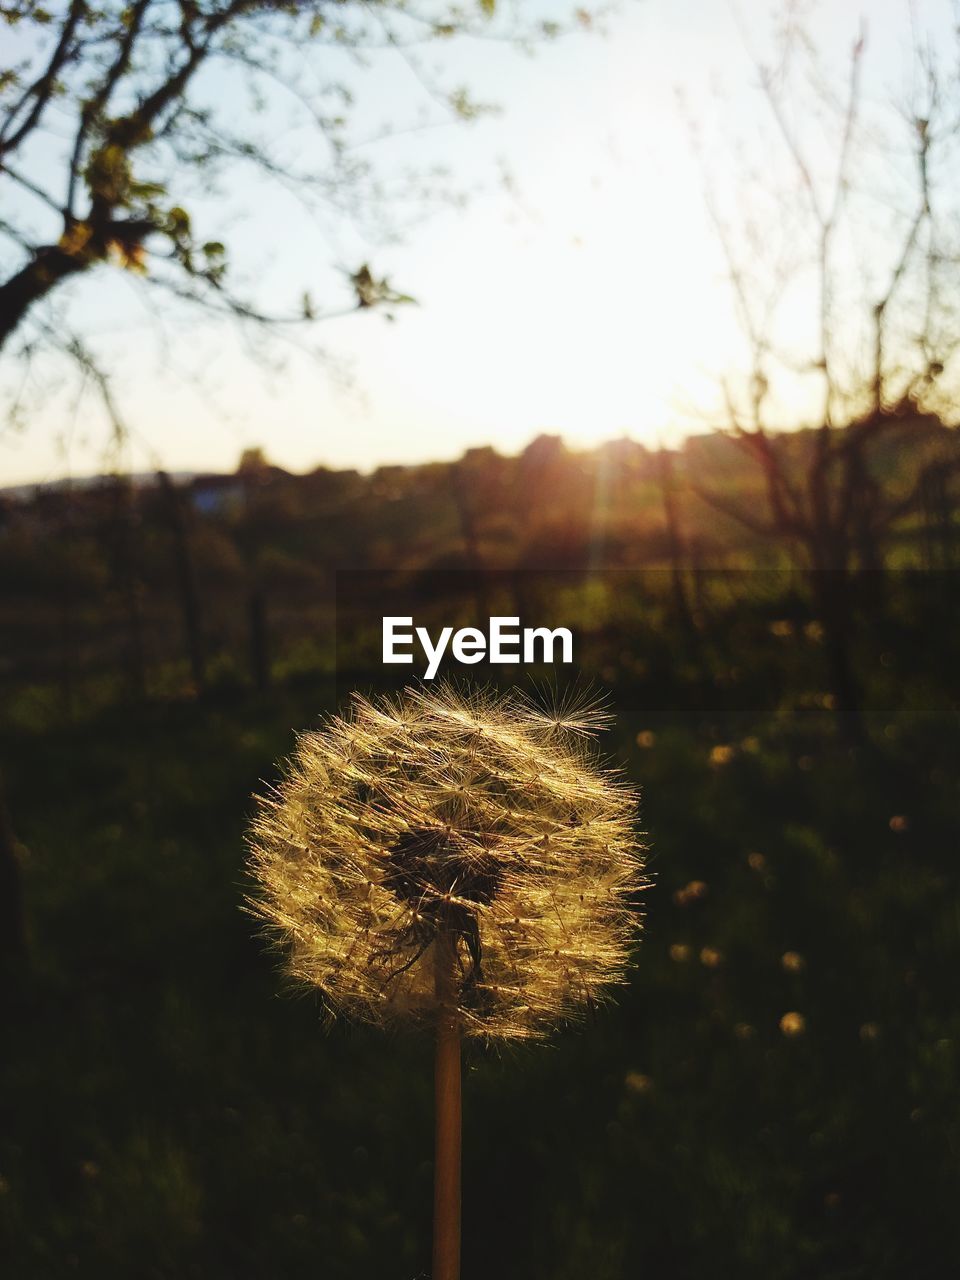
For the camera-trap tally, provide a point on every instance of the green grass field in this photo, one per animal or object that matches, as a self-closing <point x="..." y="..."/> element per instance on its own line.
<point x="171" y="1111"/>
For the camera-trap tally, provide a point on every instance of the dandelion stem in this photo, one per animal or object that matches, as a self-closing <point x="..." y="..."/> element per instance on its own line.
<point x="446" y="1199"/>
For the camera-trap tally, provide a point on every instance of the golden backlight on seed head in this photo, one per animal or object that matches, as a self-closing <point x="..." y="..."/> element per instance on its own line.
<point x="439" y="813"/>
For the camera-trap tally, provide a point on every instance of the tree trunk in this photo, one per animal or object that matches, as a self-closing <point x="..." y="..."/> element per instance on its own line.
<point x="122" y="536"/>
<point x="48" y="266"/>
<point x="186" y="582"/>
<point x="938" y="526"/>
<point x="471" y="542"/>
<point x="681" y="602"/>
<point x="831" y="588"/>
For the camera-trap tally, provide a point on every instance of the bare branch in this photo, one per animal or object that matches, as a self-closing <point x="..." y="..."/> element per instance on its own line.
<point x="38" y="94"/>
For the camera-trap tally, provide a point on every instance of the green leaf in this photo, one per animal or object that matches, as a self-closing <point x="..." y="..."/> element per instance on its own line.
<point x="178" y="227"/>
<point x="147" y="190"/>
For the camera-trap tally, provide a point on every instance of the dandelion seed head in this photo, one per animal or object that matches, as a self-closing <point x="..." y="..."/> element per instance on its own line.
<point x="449" y="814"/>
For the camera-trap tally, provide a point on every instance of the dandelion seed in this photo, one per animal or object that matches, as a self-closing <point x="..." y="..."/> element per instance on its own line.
<point x="793" y="962"/>
<point x="691" y="892"/>
<point x="454" y="858"/>
<point x="793" y="1024"/>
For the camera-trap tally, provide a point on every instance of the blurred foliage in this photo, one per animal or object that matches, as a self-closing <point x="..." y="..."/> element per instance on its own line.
<point x="774" y="1093"/>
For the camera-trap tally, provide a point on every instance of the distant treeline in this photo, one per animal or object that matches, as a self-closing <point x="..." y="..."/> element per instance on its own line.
<point x="155" y="585"/>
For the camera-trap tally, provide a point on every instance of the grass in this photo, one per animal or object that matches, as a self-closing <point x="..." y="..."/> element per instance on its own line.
<point x="171" y="1112"/>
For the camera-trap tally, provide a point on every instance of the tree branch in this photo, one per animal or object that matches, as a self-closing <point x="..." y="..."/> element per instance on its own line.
<point x="42" y="88"/>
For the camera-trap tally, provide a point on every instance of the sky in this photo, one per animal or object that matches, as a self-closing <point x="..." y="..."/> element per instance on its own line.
<point x="587" y="296"/>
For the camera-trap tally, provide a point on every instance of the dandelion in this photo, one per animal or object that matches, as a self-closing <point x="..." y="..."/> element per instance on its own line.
<point x="458" y="859"/>
<point x="793" y="1024"/>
